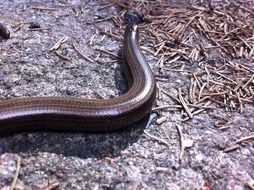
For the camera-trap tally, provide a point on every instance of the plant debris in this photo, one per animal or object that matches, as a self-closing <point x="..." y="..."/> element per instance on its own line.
<point x="211" y="42"/>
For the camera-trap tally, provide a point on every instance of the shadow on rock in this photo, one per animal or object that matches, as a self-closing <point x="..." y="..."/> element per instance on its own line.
<point x="83" y="145"/>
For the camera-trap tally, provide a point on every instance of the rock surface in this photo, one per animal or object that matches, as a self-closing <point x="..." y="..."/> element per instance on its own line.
<point x="127" y="159"/>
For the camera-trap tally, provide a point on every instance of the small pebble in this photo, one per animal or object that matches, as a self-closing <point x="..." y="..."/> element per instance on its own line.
<point x="188" y="143"/>
<point x="4" y="32"/>
<point x="34" y="25"/>
<point x="170" y="44"/>
<point x="99" y="17"/>
<point x="120" y="52"/>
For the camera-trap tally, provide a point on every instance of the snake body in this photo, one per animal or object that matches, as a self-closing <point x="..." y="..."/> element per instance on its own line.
<point x="92" y="115"/>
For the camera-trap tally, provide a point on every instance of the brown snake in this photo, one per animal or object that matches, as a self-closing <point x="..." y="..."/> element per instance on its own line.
<point x="92" y="115"/>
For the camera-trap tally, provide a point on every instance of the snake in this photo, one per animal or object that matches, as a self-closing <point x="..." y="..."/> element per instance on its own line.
<point x="75" y="114"/>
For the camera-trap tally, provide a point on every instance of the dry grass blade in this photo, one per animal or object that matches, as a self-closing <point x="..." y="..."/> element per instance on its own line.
<point x="14" y="181"/>
<point x="166" y="107"/>
<point x="59" y="54"/>
<point x="183" y="103"/>
<point x="251" y="137"/>
<point x="57" y="45"/>
<point x="108" y="52"/>
<point x="160" y="140"/>
<point x="81" y="53"/>
<point x="231" y="148"/>
<point x="51" y="186"/>
<point x="181" y="140"/>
